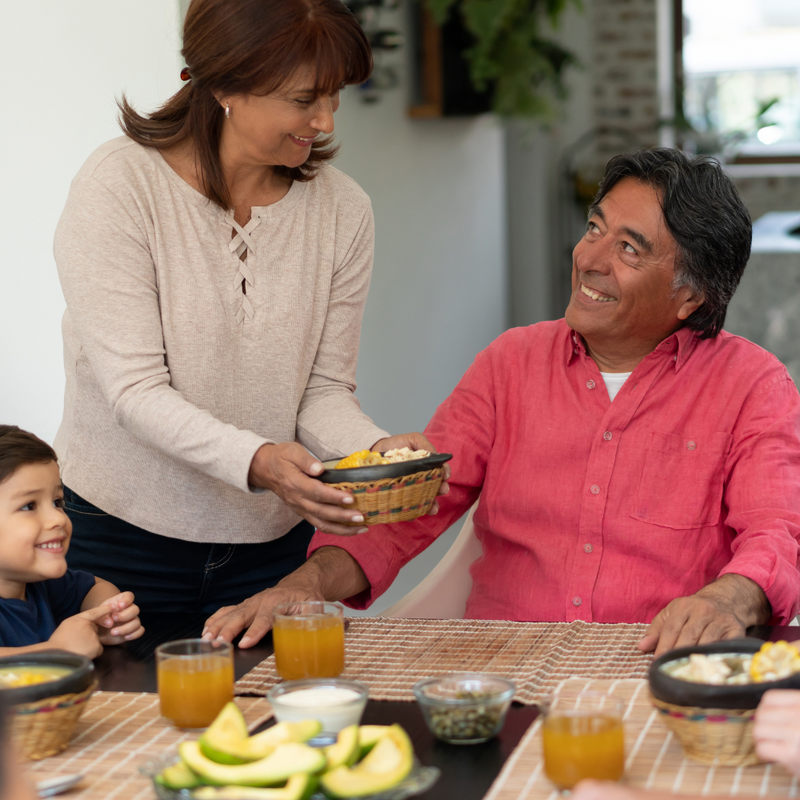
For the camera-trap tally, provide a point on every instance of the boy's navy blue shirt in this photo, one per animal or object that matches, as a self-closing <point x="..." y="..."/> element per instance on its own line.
<point x="48" y="604"/>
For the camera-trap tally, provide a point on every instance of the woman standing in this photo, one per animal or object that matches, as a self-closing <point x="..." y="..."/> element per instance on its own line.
<point x="215" y="269"/>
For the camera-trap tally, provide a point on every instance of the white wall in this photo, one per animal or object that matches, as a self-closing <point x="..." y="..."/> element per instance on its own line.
<point x="63" y="64"/>
<point x="439" y="292"/>
<point x="532" y="175"/>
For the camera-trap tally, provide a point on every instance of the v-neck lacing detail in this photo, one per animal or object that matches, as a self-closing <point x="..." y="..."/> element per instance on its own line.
<point x="240" y="245"/>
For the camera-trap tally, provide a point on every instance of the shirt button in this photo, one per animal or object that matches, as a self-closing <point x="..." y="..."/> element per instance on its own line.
<point x="587" y="548"/>
<point x="576" y="601"/>
<point x="691" y="445"/>
<point x="608" y="436"/>
<point x="595" y="489"/>
<point x="590" y="384"/>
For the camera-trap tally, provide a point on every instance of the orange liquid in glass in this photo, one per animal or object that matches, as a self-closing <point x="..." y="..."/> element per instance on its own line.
<point x="193" y="691"/>
<point x="312" y="647"/>
<point x="585" y="746"/>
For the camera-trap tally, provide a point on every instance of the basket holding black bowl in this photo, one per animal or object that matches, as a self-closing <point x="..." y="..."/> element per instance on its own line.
<point x="45" y="695"/>
<point x="713" y="723"/>
<point x="390" y="492"/>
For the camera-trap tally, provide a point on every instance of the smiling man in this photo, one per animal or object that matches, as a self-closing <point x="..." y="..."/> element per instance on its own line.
<point x="634" y="462"/>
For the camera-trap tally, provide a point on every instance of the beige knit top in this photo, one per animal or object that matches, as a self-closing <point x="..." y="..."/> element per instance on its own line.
<point x="182" y="359"/>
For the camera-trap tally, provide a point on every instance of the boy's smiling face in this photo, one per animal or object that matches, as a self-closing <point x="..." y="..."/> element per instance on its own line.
<point x="34" y="528"/>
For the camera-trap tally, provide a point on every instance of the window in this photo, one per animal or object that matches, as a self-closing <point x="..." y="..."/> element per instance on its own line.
<point x="741" y="77"/>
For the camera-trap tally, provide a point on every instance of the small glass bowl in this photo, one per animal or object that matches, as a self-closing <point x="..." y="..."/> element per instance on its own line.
<point x="333" y="716"/>
<point x="466" y="707"/>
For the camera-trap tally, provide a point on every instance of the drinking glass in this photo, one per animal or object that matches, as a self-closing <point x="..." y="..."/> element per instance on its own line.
<point x="195" y="680"/>
<point x="582" y="737"/>
<point x="309" y="640"/>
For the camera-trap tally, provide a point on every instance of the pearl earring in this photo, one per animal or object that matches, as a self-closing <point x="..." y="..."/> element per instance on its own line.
<point x="227" y="111"/>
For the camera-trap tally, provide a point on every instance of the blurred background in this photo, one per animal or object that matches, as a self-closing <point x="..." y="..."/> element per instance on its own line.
<point x="476" y="212"/>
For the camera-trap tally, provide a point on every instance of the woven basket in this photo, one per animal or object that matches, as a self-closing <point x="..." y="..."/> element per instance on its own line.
<point x="395" y="499"/>
<point x="44" y="728"/>
<point x="712" y="735"/>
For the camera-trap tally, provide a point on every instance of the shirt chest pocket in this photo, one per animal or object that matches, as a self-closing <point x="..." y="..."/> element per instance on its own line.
<point x="682" y="480"/>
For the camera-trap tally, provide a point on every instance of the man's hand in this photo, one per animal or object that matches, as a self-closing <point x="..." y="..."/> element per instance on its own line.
<point x="121" y="622"/>
<point x="777" y="728"/>
<point x="722" y="610"/>
<point x="415" y="441"/>
<point x="330" y="574"/>
<point x="289" y="470"/>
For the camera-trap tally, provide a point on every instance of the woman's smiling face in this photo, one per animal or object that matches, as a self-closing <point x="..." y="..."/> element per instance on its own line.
<point x="278" y="129"/>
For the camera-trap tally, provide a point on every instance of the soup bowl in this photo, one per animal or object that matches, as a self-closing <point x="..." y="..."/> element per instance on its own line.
<point x="713" y="723"/>
<point x="43" y="715"/>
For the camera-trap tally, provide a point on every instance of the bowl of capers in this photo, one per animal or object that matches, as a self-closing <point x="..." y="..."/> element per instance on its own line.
<point x="466" y="707"/>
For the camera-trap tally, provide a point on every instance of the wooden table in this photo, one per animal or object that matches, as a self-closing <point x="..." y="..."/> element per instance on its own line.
<point x="467" y="771"/>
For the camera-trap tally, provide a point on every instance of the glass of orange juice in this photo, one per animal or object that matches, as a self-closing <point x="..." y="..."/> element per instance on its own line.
<point x="582" y="737"/>
<point x="309" y="640"/>
<point x="195" y="681"/>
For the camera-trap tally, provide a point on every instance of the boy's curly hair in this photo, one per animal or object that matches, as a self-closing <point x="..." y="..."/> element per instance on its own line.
<point x="18" y="447"/>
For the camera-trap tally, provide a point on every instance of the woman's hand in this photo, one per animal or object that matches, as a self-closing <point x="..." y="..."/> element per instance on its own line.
<point x="289" y="470"/>
<point x="415" y="441"/>
<point x="777" y="728"/>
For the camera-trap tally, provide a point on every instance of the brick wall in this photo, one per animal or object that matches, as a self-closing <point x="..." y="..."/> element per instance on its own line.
<point x="623" y="71"/>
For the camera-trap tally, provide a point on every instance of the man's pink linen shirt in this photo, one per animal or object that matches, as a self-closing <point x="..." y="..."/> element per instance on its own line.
<point x="603" y="511"/>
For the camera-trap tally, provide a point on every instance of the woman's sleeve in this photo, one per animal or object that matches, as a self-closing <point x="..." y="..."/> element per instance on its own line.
<point x="330" y="422"/>
<point x="109" y="282"/>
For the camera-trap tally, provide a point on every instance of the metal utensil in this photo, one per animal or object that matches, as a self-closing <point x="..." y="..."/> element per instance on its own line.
<point x="57" y="785"/>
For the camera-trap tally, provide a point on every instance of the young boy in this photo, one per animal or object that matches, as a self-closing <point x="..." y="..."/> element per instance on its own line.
<point x="44" y="605"/>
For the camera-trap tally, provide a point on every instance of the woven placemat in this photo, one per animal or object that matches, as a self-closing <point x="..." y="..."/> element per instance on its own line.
<point x="118" y="732"/>
<point x="654" y="759"/>
<point x="389" y="655"/>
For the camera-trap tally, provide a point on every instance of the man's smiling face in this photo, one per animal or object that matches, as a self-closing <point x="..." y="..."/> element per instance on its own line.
<point x="623" y="303"/>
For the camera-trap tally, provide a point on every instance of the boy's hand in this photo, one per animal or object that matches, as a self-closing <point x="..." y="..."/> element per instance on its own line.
<point x="119" y="619"/>
<point x="79" y="634"/>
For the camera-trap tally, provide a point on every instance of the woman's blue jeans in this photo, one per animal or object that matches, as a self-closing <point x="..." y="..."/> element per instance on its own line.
<point x="173" y="575"/>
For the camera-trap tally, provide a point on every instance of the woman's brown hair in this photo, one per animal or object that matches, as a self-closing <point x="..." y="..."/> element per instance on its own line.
<point x="251" y="47"/>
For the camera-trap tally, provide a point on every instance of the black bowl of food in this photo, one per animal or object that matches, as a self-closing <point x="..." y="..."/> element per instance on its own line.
<point x="50" y="673"/>
<point x="45" y="694"/>
<point x="375" y="472"/>
<point x="707" y="694"/>
<point x="721" y="680"/>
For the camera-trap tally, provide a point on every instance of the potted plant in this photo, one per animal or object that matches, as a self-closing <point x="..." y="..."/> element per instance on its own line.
<point x="512" y="56"/>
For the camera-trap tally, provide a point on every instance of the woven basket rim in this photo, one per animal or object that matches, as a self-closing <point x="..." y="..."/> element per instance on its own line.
<point x="48" y="704"/>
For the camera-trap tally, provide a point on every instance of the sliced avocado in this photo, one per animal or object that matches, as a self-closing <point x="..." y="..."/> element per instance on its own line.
<point x="275" y="769"/>
<point x="298" y="787"/>
<point x="388" y="763"/>
<point x="368" y="736"/>
<point x="178" y="776"/>
<point x="346" y="750"/>
<point x="256" y="747"/>
<point x="225" y="737"/>
<point x="281" y="733"/>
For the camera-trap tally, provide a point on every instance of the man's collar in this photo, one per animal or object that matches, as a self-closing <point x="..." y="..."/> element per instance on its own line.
<point x="679" y="345"/>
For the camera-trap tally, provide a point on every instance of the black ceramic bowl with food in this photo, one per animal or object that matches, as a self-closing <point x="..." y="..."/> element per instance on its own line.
<point x="43" y="715"/>
<point x="379" y="472"/>
<point x="79" y="678"/>
<point x="703" y="695"/>
<point x="714" y="724"/>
